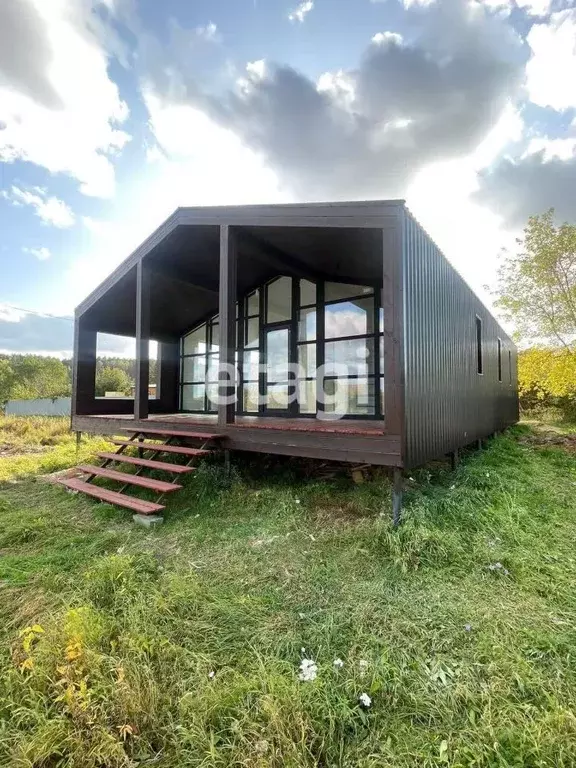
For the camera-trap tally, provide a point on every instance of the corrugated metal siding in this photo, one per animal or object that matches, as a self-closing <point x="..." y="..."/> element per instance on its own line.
<point x="447" y="403"/>
<point x="45" y="406"/>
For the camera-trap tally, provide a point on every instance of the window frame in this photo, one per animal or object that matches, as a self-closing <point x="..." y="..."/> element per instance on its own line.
<point x="376" y="410"/>
<point x="479" y="345"/>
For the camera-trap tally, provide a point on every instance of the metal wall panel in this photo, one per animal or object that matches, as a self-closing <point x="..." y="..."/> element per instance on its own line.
<point x="448" y="404"/>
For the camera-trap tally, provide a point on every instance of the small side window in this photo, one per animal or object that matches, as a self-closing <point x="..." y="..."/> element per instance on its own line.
<point x="499" y="359"/>
<point x="479" y="359"/>
<point x="510" y="367"/>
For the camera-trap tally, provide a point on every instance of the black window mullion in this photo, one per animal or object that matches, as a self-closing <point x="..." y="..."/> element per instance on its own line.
<point x="263" y="305"/>
<point x="293" y="407"/>
<point x="377" y="400"/>
<point x="320" y="340"/>
<point x="208" y="340"/>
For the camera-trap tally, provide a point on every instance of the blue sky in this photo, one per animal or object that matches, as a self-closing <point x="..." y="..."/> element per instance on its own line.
<point x="113" y="112"/>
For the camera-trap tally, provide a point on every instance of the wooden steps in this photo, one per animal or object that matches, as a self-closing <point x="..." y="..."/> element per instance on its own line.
<point x="112" y="497"/>
<point x="161" y="486"/>
<point x="138" y="480"/>
<point x="174" y="433"/>
<point x="148" y="463"/>
<point x="183" y="450"/>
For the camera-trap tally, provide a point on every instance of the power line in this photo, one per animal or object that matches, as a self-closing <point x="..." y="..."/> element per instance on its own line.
<point x="39" y="314"/>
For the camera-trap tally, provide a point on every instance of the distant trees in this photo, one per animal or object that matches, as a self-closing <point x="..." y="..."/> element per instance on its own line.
<point x="29" y="376"/>
<point x="6" y="381"/>
<point x="111" y="379"/>
<point x="26" y="377"/>
<point x="537" y="294"/>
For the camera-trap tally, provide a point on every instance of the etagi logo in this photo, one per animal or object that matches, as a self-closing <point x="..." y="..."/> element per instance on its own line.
<point x="338" y="391"/>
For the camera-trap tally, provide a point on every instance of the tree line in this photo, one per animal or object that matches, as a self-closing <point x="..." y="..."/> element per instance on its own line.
<point x="536" y="293"/>
<point x="27" y="377"/>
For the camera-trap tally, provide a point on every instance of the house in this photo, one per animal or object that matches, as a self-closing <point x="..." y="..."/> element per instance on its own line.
<point x="332" y="331"/>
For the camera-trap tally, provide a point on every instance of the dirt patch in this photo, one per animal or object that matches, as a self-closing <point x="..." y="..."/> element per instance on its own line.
<point x="549" y="439"/>
<point x="11" y="451"/>
<point x="53" y="477"/>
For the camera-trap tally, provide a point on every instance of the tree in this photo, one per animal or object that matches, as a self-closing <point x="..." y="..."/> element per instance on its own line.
<point x="537" y="285"/>
<point x="112" y="380"/>
<point x="6" y="382"/>
<point x="37" y="376"/>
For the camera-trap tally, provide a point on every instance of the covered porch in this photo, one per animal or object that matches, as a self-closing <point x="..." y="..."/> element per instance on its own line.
<point x="287" y="299"/>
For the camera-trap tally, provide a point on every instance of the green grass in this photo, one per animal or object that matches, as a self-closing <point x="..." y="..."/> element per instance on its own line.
<point x="110" y="633"/>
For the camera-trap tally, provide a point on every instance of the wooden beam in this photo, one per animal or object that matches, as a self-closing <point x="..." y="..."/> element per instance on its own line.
<point x="228" y="267"/>
<point x="142" y="341"/>
<point x="270" y="254"/>
<point x="179" y="276"/>
<point x="84" y="368"/>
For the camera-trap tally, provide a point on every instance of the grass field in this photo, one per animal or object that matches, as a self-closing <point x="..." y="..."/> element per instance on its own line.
<point x="182" y="646"/>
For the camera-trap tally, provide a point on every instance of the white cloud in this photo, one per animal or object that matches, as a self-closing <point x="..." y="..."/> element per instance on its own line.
<point x="42" y="254"/>
<point x="300" y="13"/>
<point x="209" y="33"/>
<point x="61" y="111"/>
<point x="564" y="149"/>
<point x="199" y="163"/>
<point x="381" y="38"/>
<point x="49" y="209"/>
<point x="551" y="72"/>
<point x="535" y="7"/>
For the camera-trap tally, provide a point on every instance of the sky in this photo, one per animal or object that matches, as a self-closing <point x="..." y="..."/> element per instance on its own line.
<point x="115" y="112"/>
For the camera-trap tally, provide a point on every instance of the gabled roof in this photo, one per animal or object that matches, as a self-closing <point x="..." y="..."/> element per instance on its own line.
<point x="354" y="215"/>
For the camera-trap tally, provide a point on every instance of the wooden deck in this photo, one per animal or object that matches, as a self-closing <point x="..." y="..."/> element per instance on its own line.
<point x="357" y="441"/>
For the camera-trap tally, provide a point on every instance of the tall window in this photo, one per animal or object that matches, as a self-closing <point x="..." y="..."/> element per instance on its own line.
<point x="499" y="359"/>
<point x="199" y="367"/>
<point x="479" y="360"/>
<point x="307" y="338"/>
<point x="350" y="330"/>
<point x="509" y="367"/>
<point x="295" y="321"/>
<point x="251" y="354"/>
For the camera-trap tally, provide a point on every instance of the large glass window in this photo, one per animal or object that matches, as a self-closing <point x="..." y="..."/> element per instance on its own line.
<point x="279" y="300"/>
<point x="338" y="326"/>
<point x="251" y="354"/>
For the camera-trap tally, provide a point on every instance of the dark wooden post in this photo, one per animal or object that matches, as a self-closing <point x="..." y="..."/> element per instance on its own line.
<point x="167" y="390"/>
<point x="84" y="368"/>
<point x="454" y="459"/>
<point x="226" y="387"/>
<point x="142" y="342"/>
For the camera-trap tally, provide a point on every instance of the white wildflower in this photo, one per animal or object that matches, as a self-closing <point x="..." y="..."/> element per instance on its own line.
<point x="338" y="663"/>
<point x="297" y="501"/>
<point x="468" y="627"/>
<point x="365" y="700"/>
<point x="499" y="567"/>
<point x="211" y="674"/>
<point x="302" y="650"/>
<point x="262" y="746"/>
<point x="452" y="487"/>
<point x="308" y="670"/>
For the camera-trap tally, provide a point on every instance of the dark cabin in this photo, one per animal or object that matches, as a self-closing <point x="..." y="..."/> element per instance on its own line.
<point x="352" y="336"/>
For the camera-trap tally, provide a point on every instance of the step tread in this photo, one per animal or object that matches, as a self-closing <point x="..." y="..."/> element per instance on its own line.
<point x="184" y="450"/>
<point x="163" y="465"/>
<point x="125" y="477"/>
<point x="112" y="497"/>
<point x="173" y="433"/>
